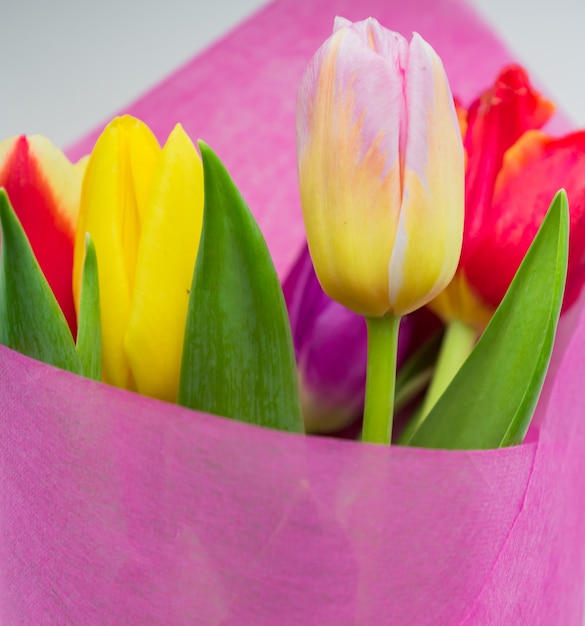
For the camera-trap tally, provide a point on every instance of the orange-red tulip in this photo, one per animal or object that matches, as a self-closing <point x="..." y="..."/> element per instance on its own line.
<point x="44" y="189"/>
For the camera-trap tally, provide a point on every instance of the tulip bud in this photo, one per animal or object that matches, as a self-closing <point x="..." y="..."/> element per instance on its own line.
<point x="143" y="208"/>
<point x="44" y="189"/>
<point x="381" y="169"/>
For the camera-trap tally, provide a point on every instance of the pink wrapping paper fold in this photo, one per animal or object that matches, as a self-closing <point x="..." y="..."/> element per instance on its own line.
<point x="116" y="509"/>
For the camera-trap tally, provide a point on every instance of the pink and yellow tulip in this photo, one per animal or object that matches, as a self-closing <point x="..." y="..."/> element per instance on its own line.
<point x="143" y="208"/>
<point x="44" y="188"/>
<point x="381" y="169"/>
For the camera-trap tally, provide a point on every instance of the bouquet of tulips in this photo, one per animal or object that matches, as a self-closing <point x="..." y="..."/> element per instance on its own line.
<point x="158" y="279"/>
<point x="142" y="267"/>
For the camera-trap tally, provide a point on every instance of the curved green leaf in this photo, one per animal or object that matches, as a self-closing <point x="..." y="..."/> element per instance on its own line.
<point x="238" y="357"/>
<point x="89" y="329"/>
<point x="31" y="321"/>
<point x="491" y="400"/>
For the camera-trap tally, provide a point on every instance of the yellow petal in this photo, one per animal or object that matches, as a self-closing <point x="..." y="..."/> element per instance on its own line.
<point x="112" y="202"/>
<point x="166" y="259"/>
<point x="459" y="302"/>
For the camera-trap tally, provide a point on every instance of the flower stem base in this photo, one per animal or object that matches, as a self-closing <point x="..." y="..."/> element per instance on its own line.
<point x="380" y="379"/>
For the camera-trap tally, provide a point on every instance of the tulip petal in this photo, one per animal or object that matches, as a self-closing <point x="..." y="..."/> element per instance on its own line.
<point x="460" y="301"/>
<point x="114" y="190"/>
<point x="349" y="113"/>
<point x="332" y="370"/>
<point x="330" y="348"/>
<point x="495" y="121"/>
<point x="304" y="298"/>
<point x="44" y="188"/>
<point x="164" y="269"/>
<point x="430" y="228"/>
<point x="340" y="22"/>
<point x="533" y="170"/>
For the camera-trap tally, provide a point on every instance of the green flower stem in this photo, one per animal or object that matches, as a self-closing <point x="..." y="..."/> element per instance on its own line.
<point x="380" y="378"/>
<point x="457" y="345"/>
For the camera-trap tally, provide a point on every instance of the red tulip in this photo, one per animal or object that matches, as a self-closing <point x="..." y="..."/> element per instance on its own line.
<point x="45" y="188"/>
<point x="513" y="171"/>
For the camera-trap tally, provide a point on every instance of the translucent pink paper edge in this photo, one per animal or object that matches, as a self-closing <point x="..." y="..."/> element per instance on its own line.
<point x="115" y="509"/>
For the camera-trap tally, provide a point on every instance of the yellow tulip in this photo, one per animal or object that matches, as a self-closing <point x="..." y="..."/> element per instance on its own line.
<point x="381" y="169"/>
<point x="143" y="208"/>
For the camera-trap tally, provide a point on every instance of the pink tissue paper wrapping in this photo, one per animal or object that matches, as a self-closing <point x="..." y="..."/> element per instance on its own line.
<point x="116" y="509"/>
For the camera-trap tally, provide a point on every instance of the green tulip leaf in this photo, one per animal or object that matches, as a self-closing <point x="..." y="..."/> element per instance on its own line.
<point x="238" y="357"/>
<point x="89" y="336"/>
<point x="31" y="321"/>
<point x="491" y="400"/>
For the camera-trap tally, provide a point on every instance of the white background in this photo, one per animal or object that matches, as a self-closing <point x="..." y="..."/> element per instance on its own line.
<point x="65" y="65"/>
